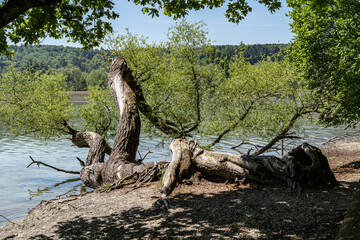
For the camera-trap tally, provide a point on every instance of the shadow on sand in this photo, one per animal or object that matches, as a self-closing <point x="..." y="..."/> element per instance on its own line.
<point x="260" y="213"/>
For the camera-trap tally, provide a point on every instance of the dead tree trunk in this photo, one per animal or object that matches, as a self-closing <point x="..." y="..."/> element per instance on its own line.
<point x="303" y="167"/>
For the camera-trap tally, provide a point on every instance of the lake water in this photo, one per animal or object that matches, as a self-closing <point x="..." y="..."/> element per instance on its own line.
<point x="22" y="188"/>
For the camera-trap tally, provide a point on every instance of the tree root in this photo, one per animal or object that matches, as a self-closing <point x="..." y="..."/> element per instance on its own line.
<point x="302" y="167"/>
<point x="138" y="179"/>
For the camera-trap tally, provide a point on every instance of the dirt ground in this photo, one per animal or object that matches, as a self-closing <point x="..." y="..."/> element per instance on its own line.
<point x="205" y="211"/>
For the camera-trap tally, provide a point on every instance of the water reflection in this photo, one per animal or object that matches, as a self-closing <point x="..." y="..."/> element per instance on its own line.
<point x="75" y="189"/>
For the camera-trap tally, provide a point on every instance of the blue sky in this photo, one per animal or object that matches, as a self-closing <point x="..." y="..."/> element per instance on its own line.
<point x="260" y="26"/>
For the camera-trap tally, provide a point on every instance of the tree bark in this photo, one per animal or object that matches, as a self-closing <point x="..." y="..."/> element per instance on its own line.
<point x="121" y="162"/>
<point x="303" y="167"/>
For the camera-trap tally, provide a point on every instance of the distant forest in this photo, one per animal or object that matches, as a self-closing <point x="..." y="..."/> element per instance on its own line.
<point x="86" y="68"/>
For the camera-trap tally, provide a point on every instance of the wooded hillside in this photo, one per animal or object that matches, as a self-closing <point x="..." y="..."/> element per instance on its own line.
<point x="85" y="68"/>
<point x="49" y="56"/>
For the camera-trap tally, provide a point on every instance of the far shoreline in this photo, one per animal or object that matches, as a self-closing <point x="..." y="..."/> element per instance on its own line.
<point x="79" y="93"/>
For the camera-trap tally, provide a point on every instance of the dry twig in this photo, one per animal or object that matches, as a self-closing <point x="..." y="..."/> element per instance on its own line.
<point x="49" y="166"/>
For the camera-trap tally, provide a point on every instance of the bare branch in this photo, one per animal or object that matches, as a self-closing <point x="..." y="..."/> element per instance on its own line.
<point x="192" y="128"/>
<point x="197" y="100"/>
<point x="160" y="123"/>
<point x="257" y="146"/>
<point x="278" y="137"/>
<point x="49" y="166"/>
<point x="232" y="127"/>
<point x="249" y="151"/>
<point x="217" y="140"/>
<point x="69" y="191"/>
<point x="148" y="152"/>
<point x="82" y="163"/>
<point x="289" y="136"/>
<point x="70" y="130"/>
<point x="164" y="101"/>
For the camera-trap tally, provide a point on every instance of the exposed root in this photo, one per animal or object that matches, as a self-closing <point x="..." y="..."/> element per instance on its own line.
<point x="163" y="201"/>
<point x="138" y="179"/>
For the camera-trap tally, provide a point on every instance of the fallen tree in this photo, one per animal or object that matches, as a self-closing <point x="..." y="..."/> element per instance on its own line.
<point x="302" y="167"/>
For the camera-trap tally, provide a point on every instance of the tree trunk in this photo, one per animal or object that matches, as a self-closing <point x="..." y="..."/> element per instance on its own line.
<point x="121" y="162"/>
<point x="303" y="167"/>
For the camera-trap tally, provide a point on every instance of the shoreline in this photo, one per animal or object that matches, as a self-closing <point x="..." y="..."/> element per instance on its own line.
<point x="207" y="210"/>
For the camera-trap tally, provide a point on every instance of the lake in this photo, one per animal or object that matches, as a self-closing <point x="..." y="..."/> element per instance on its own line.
<point x="22" y="188"/>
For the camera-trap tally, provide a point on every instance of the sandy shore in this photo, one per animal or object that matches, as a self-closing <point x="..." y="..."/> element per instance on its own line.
<point x="204" y="211"/>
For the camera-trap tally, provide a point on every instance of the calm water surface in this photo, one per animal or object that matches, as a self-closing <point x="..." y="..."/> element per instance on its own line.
<point x="22" y="188"/>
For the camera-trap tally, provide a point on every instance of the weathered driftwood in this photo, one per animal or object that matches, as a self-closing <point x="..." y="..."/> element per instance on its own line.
<point x="303" y="167"/>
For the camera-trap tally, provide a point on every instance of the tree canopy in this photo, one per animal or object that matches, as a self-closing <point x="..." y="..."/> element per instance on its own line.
<point x="85" y="68"/>
<point x="87" y="22"/>
<point x="41" y="57"/>
<point x="194" y="96"/>
<point x="326" y="50"/>
<point x="183" y="92"/>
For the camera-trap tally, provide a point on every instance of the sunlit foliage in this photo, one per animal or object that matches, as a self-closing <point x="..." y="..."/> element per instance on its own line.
<point x="34" y="103"/>
<point x="198" y="97"/>
<point x="326" y="50"/>
<point x="181" y="88"/>
<point x="99" y="113"/>
<point x="257" y="99"/>
<point x="87" y="22"/>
